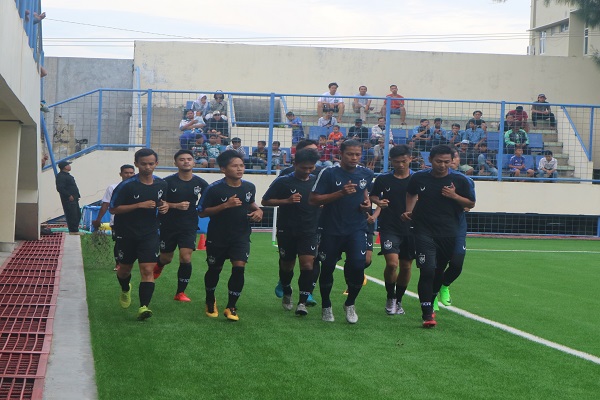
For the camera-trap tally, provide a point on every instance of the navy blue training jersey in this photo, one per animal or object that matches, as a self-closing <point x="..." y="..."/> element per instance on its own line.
<point x="179" y="191"/>
<point x="141" y="221"/>
<point x="296" y="217"/>
<point x="343" y="216"/>
<point x="388" y="187"/>
<point x="434" y="214"/>
<point x="231" y="223"/>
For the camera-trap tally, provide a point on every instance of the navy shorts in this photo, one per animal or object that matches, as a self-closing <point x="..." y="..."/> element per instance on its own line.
<point x="291" y="245"/>
<point x="144" y="249"/>
<point x="170" y="239"/>
<point x="403" y="245"/>
<point x="354" y="245"/>
<point x="432" y="252"/>
<point x="235" y="251"/>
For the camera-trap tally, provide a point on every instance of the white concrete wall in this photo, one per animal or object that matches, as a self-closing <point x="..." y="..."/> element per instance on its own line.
<point x="94" y="172"/>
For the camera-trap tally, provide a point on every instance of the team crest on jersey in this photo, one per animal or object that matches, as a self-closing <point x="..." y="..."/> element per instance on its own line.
<point x="162" y="244"/>
<point x="210" y="259"/>
<point x="362" y="184"/>
<point x="387" y="244"/>
<point x="160" y="193"/>
<point x="421" y="258"/>
<point x="248" y="197"/>
<point x="197" y="190"/>
<point x="282" y="252"/>
<point x="322" y="256"/>
<point x="120" y="255"/>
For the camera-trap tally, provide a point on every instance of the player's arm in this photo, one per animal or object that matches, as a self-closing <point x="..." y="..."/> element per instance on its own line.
<point x="411" y="201"/>
<point x="184" y="205"/>
<point x="256" y="213"/>
<point x="103" y="209"/>
<point x="450" y="192"/>
<point x="316" y="199"/>
<point x="125" y="208"/>
<point x="231" y="202"/>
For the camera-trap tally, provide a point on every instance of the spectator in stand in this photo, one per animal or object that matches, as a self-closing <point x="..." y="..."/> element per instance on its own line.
<point x="466" y="158"/>
<point x="368" y="156"/>
<point x="217" y="125"/>
<point x="417" y="162"/>
<point x="396" y="106"/>
<point x="378" y="151"/>
<point x="259" y="155"/>
<point x="361" y="104"/>
<point x="516" y="137"/>
<point x="454" y="137"/>
<point x="213" y="149"/>
<point x="199" y="151"/>
<point x="358" y="131"/>
<point x="438" y="134"/>
<point x="421" y="135"/>
<point x="378" y="130"/>
<point x="517" y="165"/>
<point x="477" y="114"/>
<point x="236" y="145"/>
<point x="509" y="123"/>
<point x="190" y="126"/>
<point x="333" y="151"/>
<point x="201" y="105"/>
<point x="331" y="100"/>
<point x="336" y="134"/>
<point x="278" y="156"/>
<point x="520" y="118"/>
<point x="296" y="124"/>
<point x="541" y="110"/>
<point x="486" y="162"/>
<point x="69" y="197"/>
<point x="547" y="166"/>
<point x="475" y="134"/>
<point x="322" y="149"/>
<point x="219" y="104"/>
<point x="328" y="120"/>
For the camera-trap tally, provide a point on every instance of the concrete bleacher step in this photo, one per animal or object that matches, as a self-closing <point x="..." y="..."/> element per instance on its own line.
<point x="555" y="147"/>
<point x="549" y="136"/>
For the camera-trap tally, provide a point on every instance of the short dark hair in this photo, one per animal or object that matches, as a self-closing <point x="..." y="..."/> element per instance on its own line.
<point x="438" y="120"/>
<point x="289" y="113"/>
<point x="303" y="143"/>
<point x="145" y="152"/>
<point x="440" y="149"/>
<point x="399" y="150"/>
<point x="361" y="86"/>
<point x="276" y="141"/>
<point x="455" y="124"/>
<point x="182" y="151"/>
<point x="127" y="166"/>
<point x="333" y="83"/>
<point x="391" y="86"/>
<point x="350" y="143"/>
<point x="323" y="136"/>
<point x="212" y="135"/>
<point x="547" y="152"/>
<point x="225" y="157"/>
<point x="423" y="120"/>
<point x="477" y="111"/>
<point x="263" y="142"/>
<point x="307" y="155"/>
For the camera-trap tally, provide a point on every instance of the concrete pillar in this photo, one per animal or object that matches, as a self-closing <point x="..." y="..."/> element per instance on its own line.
<point x="10" y="137"/>
<point x="576" y="27"/>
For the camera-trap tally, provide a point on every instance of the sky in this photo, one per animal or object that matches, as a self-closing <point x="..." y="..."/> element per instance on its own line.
<point x="108" y="28"/>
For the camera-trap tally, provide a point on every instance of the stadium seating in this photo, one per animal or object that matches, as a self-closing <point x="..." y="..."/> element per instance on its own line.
<point x="536" y="142"/>
<point x="315" y="131"/>
<point x="493" y="141"/>
<point x="399" y="135"/>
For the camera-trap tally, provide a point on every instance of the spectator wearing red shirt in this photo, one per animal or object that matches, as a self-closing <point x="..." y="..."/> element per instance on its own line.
<point x="520" y="118"/>
<point x="397" y="106"/>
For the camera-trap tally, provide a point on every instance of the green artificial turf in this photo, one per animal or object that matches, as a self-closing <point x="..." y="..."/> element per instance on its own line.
<point x="179" y="353"/>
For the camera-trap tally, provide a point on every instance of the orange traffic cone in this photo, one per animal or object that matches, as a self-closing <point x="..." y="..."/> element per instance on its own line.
<point x="201" y="242"/>
<point x="378" y="240"/>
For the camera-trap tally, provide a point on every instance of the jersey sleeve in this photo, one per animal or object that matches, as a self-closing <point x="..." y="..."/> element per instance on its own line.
<point x="274" y="191"/>
<point x="323" y="182"/>
<point x="119" y="195"/>
<point x="206" y="199"/>
<point x="377" y="187"/>
<point x="413" y="184"/>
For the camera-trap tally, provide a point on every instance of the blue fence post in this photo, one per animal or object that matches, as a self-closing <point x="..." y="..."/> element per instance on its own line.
<point x="48" y="142"/>
<point x="591" y="144"/>
<point x="149" y="119"/>
<point x="387" y="134"/>
<point x="99" y="133"/>
<point x="500" y="158"/>
<point x="271" y="123"/>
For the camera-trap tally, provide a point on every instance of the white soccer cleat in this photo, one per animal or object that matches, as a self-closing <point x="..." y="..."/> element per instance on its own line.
<point x="327" y="315"/>
<point x="399" y="309"/>
<point x="390" y="306"/>
<point x="351" y="316"/>
<point x="286" y="302"/>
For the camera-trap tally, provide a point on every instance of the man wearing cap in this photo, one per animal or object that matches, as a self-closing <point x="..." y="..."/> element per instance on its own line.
<point x="466" y="158"/>
<point x="217" y="125"/>
<point x="542" y="111"/>
<point x="358" y="131"/>
<point x="69" y="196"/>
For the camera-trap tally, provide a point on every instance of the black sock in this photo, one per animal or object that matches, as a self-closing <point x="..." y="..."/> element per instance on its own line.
<point x="316" y="271"/>
<point x="390" y="288"/>
<point x="425" y="288"/>
<point x="285" y="277"/>
<point x="305" y="284"/>
<point x="146" y="290"/>
<point x="400" y="292"/>
<point x="354" y="280"/>
<point x="211" y="279"/>
<point x="325" y="285"/>
<point x="235" y="285"/>
<point x="124" y="282"/>
<point x="183" y="276"/>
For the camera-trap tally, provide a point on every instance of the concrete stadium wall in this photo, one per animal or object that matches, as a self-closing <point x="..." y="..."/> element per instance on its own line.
<point x="96" y="171"/>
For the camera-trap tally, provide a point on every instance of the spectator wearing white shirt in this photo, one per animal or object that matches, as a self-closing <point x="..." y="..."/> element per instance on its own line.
<point x="361" y="104"/>
<point x="331" y="100"/>
<point x="547" y="166"/>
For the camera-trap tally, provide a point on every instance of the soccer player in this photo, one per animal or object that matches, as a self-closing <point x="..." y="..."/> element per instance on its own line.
<point x="344" y="193"/>
<point x="229" y="202"/>
<point x="389" y="194"/>
<point x="135" y="203"/>
<point x="434" y="199"/>
<point x="297" y="225"/>
<point x="179" y="225"/>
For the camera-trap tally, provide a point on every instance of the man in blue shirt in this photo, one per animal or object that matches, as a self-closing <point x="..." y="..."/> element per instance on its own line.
<point x="344" y="193"/>
<point x="296" y="124"/>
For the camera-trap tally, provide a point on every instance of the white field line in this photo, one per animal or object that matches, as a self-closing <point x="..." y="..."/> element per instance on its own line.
<point x="506" y="328"/>
<point x="538" y="251"/>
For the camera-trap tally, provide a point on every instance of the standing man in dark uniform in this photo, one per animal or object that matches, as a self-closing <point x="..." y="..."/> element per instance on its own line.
<point x="397" y="246"/>
<point x="434" y="200"/>
<point x="344" y="193"/>
<point x="136" y="203"/>
<point x="297" y="225"/>
<point x="229" y="202"/>
<point x="69" y="197"/>
<point x="179" y="225"/>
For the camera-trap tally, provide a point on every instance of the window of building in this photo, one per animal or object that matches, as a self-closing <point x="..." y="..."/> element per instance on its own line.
<point x="564" y="27"/>
<point x="553" y="30"/>
<point x="586" y="33"/>
<point x="542" y="42"/>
